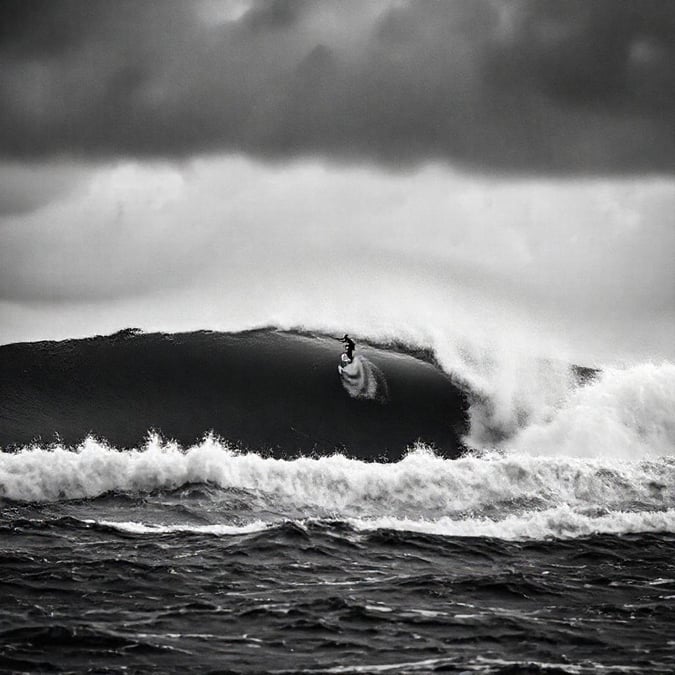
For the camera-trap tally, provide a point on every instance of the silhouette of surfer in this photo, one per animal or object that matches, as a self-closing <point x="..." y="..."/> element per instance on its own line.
<point x="350" y="346"/>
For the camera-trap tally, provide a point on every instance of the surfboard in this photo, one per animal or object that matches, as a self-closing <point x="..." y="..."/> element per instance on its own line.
<point x="344" y="361"/>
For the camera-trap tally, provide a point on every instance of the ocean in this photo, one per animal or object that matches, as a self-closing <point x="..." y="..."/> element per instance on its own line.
<point x="231" y="503"/>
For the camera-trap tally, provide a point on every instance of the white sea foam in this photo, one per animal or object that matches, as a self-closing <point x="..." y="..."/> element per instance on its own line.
<point x="421" y="484"/>
<point x="538" y="406"/>
<point x="624" y="413"/>
<point x="562" y="522"/>
<point x="512" y="496"/>
<point x="155" y="528"/>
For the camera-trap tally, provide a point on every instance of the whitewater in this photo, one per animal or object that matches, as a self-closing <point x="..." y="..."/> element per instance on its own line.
<point x="509" y="496"/>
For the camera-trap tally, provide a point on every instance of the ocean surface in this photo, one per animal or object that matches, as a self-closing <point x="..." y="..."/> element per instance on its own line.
<point x="220" y="503"/>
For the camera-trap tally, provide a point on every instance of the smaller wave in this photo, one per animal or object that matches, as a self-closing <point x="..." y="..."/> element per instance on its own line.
<point x="560" y="523"/>
<point x="363" y="379"/>
<point x="134" y="527"/>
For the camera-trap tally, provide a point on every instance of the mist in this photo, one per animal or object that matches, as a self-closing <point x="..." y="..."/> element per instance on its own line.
<point x="345" y="246"/>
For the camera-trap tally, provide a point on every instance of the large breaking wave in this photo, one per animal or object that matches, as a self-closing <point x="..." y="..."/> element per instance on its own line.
<point x="549" y="450"/>
<point x="263" y="390"/>
<point x="280" y="392"/>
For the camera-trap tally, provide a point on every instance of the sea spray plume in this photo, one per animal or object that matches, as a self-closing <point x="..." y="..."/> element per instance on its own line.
<point x="508" y="388"/>
<point x="623" y="413"/>
<point x="548" y="406"/>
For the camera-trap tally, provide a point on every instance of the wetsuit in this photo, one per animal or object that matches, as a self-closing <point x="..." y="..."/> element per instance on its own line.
<point x="350" y="346"/>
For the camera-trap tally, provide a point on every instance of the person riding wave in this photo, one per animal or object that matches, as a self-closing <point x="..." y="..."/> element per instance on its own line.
<point x="350" y="346"/>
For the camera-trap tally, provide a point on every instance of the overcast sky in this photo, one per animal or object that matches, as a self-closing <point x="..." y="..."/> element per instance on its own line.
<point x="476" y="166"/>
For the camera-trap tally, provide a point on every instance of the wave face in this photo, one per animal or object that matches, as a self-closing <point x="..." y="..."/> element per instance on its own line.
<point x="264" y="390"/>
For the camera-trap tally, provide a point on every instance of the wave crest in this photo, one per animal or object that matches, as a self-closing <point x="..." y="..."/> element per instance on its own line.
<point x="419" y="484"/>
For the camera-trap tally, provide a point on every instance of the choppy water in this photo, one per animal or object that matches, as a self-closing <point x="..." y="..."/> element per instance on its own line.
<point x="208" y="560"/>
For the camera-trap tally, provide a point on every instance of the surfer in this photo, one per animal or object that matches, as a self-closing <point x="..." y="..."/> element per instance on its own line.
<point x="350" y="346"/>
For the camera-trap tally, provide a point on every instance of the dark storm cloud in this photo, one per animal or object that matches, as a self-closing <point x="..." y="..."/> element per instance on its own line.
<point x="530" y="85"/>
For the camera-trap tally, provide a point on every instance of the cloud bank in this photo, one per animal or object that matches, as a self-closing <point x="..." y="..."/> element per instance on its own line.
<point x="524" y="86"/>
